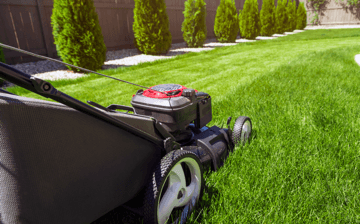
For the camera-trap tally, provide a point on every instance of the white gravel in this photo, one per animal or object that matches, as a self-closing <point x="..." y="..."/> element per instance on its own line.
<point x="51" y="70"/>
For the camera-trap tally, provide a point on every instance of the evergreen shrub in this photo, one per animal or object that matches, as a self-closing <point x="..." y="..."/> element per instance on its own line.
<point x="288" y="15"/>
<point x="250" y="20"/>
<point x="267" y="18"/>
<point x="194" y="25"/>
<point x="280" y="17"/>
<point x="293" y="16"/>
<point x="239" y="19"/>
<point x="151" y="27"/>
<point x="301" y="17"/>
<point x="77" y="34"/>
<point x="226" y="22"/>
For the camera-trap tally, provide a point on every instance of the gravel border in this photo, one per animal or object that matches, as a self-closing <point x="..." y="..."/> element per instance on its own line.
<point x="39" y="67"/>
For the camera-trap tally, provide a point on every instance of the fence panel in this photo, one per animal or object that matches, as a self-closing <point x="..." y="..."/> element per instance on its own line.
<point x="116" y="20"/>
<point x="26" y="32"/>
<point x="174" y="9"/>
<point x="47" y="29"/>
<point x="334" y="13"/>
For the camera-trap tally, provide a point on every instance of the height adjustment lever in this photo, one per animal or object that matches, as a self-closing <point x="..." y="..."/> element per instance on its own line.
<point x="99" y="106"/>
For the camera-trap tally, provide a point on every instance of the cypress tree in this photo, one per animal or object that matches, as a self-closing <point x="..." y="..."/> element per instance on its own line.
<point x="294" y="17"/>
<point x="291" y="16"/>
<point x="267" y="19"/>
<point x="242" y="21"/>
<point x="287" y="16"/>
<point x="239" y="19"/>
<point x="280" y="17"/>
<point x="274" y="16"/>
<point x="226" y="22"/>
<point x="77" y="34"/>
<point x="151" y="27"/>
<point x="301" y="17"/>
<point x="250" y="20"/>
<point x="256" y="18"/>
<point x="194" y="25"/>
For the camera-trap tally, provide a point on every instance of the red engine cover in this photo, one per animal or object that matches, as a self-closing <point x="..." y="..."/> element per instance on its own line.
<point x="176" y="89"/>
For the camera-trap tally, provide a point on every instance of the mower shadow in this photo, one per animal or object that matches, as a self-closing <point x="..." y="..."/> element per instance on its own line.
<point x="253" y="136"/>
<point x="119" y="215"/>
<point x="210" y="195"/>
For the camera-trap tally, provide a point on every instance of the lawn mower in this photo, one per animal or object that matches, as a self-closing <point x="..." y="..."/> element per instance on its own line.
<point x="70" y="162"/>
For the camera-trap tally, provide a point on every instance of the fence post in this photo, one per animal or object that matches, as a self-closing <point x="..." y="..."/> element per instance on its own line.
<point x="44" y="28"/>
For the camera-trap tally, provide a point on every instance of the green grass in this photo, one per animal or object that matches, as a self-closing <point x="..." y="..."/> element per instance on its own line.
<point x="301" y="92"/>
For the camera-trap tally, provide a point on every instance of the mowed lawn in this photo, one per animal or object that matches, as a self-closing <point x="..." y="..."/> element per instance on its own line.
<point x="302" y="94"/>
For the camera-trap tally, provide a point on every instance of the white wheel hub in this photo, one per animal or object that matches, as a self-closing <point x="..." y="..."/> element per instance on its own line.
<point x="177" y="194"/>
<point x="246" y="130"/>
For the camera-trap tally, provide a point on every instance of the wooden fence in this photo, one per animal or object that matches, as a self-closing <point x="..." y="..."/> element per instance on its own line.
<point x="26" y="24"/>
<point x="332" y="13"/>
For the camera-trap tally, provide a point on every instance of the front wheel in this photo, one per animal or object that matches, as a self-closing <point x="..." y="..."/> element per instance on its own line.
<point x="242" y="130"/>
<point x="175" y="188"/>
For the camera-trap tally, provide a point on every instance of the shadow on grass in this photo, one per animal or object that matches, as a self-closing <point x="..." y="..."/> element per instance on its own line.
<point x="210" y="196"/>
<point x="119" y="215"/>
<point x="253" y="136"/>
<point x="104" y="67"/>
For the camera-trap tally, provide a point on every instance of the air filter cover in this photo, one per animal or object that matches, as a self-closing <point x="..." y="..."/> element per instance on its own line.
<point x="171" y="90"/>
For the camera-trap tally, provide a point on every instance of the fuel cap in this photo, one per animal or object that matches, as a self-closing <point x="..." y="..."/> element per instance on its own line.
<point x="188" y="92"/>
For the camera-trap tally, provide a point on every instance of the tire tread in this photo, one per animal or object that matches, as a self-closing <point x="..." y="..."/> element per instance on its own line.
<point x="163" y="168"/>
<point x="236" y="134"/>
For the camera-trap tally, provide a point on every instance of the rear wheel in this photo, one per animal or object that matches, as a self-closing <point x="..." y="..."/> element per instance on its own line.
<point x="242" y="130"/>
<point x="175" y="188"/>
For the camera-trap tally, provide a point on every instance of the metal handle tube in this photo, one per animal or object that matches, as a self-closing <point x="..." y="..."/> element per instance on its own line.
<point x="16" y="77"/>
<point x="45" y="89"/>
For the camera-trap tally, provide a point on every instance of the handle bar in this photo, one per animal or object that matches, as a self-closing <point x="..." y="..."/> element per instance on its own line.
<point x="45" y="89"/>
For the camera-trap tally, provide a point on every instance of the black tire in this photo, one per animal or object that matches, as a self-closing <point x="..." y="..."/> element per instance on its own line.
<point x="160" y="182"/>
<point x="240" y="134"/>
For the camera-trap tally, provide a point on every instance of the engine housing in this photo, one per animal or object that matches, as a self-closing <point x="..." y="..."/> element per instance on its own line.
<point x="177" y="107"/>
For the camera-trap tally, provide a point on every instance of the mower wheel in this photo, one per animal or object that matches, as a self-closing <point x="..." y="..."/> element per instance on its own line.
<point x="175" y="188"/>
<point x="242" y="130"/>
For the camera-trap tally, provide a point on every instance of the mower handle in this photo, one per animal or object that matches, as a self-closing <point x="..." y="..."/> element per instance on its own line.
<point x="45" y="89"/>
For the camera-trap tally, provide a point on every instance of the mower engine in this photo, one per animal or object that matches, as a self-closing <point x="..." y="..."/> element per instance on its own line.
<point x="176" y="107"/>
